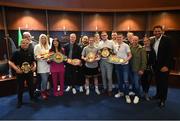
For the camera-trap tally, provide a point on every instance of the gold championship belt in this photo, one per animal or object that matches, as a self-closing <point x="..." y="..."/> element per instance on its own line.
<point x="45" y="55"/>
<point x="105" y="52"/>
<point x="58" y="57"/>
<point x="26" y="68"/>
<point x="74" y="62"/>
<point x="91" y="57"/>
<point x="115" y="60"/>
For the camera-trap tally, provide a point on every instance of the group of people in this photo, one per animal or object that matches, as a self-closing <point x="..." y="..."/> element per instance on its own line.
<point x="140" y="62"/>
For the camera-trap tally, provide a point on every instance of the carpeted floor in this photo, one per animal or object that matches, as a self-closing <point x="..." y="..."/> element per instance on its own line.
<point x="82" y="107"/>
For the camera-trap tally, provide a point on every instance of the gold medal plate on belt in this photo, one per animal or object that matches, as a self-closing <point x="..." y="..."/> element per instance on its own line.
<point x="91" y="57"/>
<point x="58" y="58"/>
<point x="115" y="60"/>
<point x="26" y="68"/>
<point x="74" y="62"/>
<point x="105" y="53"/>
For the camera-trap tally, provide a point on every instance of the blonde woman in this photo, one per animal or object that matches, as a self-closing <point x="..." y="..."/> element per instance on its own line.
<point x="43" y="68"/>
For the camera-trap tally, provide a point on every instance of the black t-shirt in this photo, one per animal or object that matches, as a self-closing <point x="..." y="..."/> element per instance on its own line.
<point x="22" y="56"/>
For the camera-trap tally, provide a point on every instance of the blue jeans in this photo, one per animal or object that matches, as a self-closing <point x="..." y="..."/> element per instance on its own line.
<point x="130" y="78"/>
<point x="106" y="73"/>
<point x="136" y="83"/>
<point x="123" y="71"/>
<point x="44" y="80"/>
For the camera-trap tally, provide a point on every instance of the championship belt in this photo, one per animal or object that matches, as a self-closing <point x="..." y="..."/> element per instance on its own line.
<point x="115" y="60"/>
<point x="45" y="55"/>
<point x="26" y="68"/>
<point x="105" y="52"/>
<point x="58" y="57"/>
<point x="90" y="57"/>
<point x="74" y="62"/>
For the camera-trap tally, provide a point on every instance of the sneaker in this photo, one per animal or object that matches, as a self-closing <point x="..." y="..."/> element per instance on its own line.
<point x="131" y="93"/>
<point x="37" y="90"/>
<point x="119" y="94"/>
<point x="136" y="100"/>
<point x="81" y="89"/>
<point x="128" y="99"/>
<point x="68" y="88"/>
<point x="74" y="90"/>
<point x="97" y="91"/>
<point x="87" y="92"/>
<point x="58" y="89"/>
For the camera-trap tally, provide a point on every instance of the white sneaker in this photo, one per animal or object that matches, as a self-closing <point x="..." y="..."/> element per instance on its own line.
<point x="97" y="91"/>
<point x="37" y="90"/>
<point x="68" y="88"/>
<point x="58" y="89"/>
<point x="136" y="100"/>
<point x="128" y="100"/>
<point x="74" y="90"/>
<point x="131" y="93"/>
<point x="81" y="89"/>
<point x="119" y="94"/>
<point x="87" y="91"/>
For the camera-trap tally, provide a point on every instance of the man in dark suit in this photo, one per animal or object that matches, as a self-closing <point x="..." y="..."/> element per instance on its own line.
<point x="162" y="51"/>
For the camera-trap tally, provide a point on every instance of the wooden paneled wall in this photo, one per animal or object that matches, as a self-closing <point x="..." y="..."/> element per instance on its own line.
<point x="98" y="22"/>
<point x="96" y="5"/>
<point x="26" y="19"/>
<point x="30" y="19"/>
<point x="131" y="22"/>
<point x="64" y="21"/>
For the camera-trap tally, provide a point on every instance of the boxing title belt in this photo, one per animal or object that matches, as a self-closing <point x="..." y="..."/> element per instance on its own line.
<point x="115" y="60"/>
<point x="91" y="57"/>
<point x="105" y="52"/>
<point x="75" y="62"/>
<point x="25" y="67"/>
<point x="58" y="57"/>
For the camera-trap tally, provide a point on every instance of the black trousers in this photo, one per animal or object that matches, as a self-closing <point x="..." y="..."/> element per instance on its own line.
<point x="81" y="75"/>
<point x="146" y="80"/>
<point x="71" y="75"/>
<point x="20" y="85"/>
<point x="161" y="79"/>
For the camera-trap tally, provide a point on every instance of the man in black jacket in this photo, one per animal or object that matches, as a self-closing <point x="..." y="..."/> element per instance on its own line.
<point x="24" y="64"/>
<point x="161" y="46"/>
<point x="72" y="75"/>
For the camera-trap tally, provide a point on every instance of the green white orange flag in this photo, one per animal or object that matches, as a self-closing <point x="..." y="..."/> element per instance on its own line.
<point x="19" y="36"/>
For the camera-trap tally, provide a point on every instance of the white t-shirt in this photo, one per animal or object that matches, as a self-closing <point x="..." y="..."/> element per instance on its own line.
<point x="122" y="50"/>
<point x="108" y="43"/>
